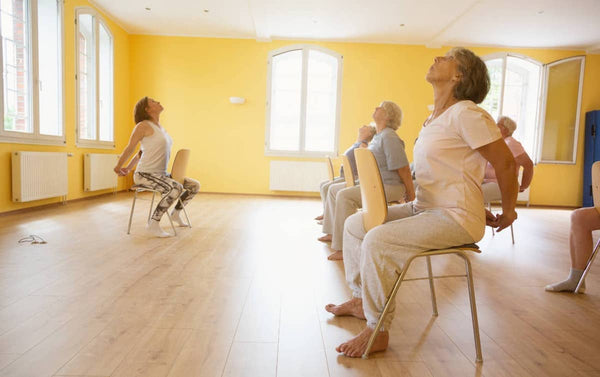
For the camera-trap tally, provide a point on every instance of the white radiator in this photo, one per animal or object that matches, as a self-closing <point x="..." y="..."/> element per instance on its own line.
<point x="297" y="175"/>
<point x="38" y="175"/>
<point x="98" y="171"/>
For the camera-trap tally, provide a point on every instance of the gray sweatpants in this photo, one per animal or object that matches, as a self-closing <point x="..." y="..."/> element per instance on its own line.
<point x="324" y="188"/>
<point x="343" y="202"/>
<point x="372" y="260"/>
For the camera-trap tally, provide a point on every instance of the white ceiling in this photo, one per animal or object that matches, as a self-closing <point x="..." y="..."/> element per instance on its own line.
<point x="573" y="24"/>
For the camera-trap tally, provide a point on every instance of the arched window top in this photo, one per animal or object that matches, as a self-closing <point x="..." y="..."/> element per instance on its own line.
<point x="303" y="101"/>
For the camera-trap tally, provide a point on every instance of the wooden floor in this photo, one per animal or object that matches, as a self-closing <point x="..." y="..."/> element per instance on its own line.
<point x="242" y="294"/>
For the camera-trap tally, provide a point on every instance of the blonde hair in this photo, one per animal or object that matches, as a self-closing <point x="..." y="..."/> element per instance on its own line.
<point x="394" y="113"/>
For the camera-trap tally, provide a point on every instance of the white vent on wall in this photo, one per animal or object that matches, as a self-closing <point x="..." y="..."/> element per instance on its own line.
<point x="297" y="175"/>
<point x="38" y="175"/>
<point x="98" y="173"/>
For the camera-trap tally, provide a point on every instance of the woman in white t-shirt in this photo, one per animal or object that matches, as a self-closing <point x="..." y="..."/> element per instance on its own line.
<point x="152" y="161"/>
<point x="450" y="156"/>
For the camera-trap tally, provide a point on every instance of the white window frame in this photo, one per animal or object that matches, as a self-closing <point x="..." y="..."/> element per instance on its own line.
<point x="542" y="99"/>
<point x="35" y="137"/>
<point x="97" y="143"/>
<point x="541" y="128"/>
<point x="303" y="153"/>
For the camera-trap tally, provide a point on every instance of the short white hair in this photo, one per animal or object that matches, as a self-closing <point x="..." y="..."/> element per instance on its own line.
<point x="394" y="114"/>
<point x="508" y="123"/>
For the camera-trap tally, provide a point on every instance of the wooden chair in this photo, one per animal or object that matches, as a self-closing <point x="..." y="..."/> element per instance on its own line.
<point x="330" y="169"/>
<point x="375" y="213"/>
<point x="178" y="174"/>
<point x="348" y="173"/>
<point x="596" y="195"/>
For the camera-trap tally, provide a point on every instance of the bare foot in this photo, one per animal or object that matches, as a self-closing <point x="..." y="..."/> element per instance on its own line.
<point x="351" y="307"/>
<point x="337" y="255"/>
<point x="325" y="238"/>
<point x="320" y="217"/>
<point x="356" y="346"/>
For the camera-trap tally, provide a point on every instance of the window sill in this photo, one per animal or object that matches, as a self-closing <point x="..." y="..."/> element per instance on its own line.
<point x="96" y="144"/>
<point x="32" y="141"/>
<point x="271" y="153"/>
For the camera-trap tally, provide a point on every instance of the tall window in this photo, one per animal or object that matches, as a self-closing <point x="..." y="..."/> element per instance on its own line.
<point x="514" y="92"/>
<point x="32" y="73"/>
<point x="303" y="101"/>
<point x="544" y="100"/>
<point x="95" y="125"/>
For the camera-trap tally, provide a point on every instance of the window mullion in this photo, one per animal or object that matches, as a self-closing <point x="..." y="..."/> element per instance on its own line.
<point x="303" y="97"/>
<point x="97" y="75"/>
<point x="502" y="85"/>
<point x="34" y="64"/>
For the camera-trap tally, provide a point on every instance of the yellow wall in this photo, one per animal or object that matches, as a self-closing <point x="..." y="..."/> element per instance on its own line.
<point x="194" y="77"/>
<point x="122" y="110"/>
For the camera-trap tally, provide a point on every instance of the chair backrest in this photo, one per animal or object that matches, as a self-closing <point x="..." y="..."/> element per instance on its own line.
<point x="180" y="164"/>
<point x="374" y="202"/>
<point x="348" y="173"/>
<point x="330" y="169"/>
<point x="596" y="184"/>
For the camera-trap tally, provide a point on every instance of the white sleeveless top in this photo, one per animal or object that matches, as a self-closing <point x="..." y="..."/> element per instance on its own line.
<point x="156" y="151"/>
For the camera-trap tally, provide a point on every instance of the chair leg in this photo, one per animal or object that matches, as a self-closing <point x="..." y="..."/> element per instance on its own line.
<point x="172" y="225"/>
<point x="187" y="219"/>
<point x="432" y="288"/>
<point x="587" y="267"/>
<point x="131" y="213"/>
<point x="388" y="303"/>
<point x="512" y="234"/>
<point x="151" y="205"/>
<point x="478" y="358"/>
<point x="489" y="205"/>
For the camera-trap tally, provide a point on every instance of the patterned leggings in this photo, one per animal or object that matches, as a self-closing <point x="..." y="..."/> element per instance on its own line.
<point x="169" y="189"/>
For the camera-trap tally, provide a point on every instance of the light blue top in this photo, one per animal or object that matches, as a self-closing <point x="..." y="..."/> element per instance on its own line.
<point x="388" y="150"/>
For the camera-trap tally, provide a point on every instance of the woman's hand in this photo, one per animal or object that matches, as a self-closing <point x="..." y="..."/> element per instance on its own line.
<point x="409" y="196"/>
<point x="490" y="219"/>
<point x="117" y="169"/>
<point x="505" y="219"/>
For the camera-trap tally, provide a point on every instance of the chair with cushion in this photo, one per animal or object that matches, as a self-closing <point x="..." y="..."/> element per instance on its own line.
<point x="375" y="213"/>
<point x="178" y="174"/>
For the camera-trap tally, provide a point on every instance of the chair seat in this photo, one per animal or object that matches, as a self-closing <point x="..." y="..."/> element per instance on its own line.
<point x="140" y="188"/>
<point x="470" y="246"/>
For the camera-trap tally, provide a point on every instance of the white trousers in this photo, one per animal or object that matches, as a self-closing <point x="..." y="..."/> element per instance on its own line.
<point x="324" y="188"/>
<point x="372" y="259"/>
<point x="343" y="202"/>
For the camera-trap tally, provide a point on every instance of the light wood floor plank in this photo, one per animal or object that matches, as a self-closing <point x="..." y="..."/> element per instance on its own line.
<point x="242" y="294"/>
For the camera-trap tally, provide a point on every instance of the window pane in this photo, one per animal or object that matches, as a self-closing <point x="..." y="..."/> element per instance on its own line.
<point x="86" y="77"/>
<point x="105" y="81"/>
<point x="521" y="89"/>
<point x="561" y="111"/>
<point x="15" y="64"/>
<point x="321" y="102"/>
<point x="492" y="102"/>
<point x="50" y="99"/>
<point x="286" y="89"/>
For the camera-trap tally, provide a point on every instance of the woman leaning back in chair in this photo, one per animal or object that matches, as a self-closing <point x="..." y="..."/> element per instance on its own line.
<point x="151" y="169"/>
<point x="450" y="157"/>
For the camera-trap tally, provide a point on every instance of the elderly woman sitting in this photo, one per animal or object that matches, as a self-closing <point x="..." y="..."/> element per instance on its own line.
<point x="365" y="135"/>
<point x="450" y="156"/>
<point x="491" y="191"/>
<point x="389" y="152"/>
